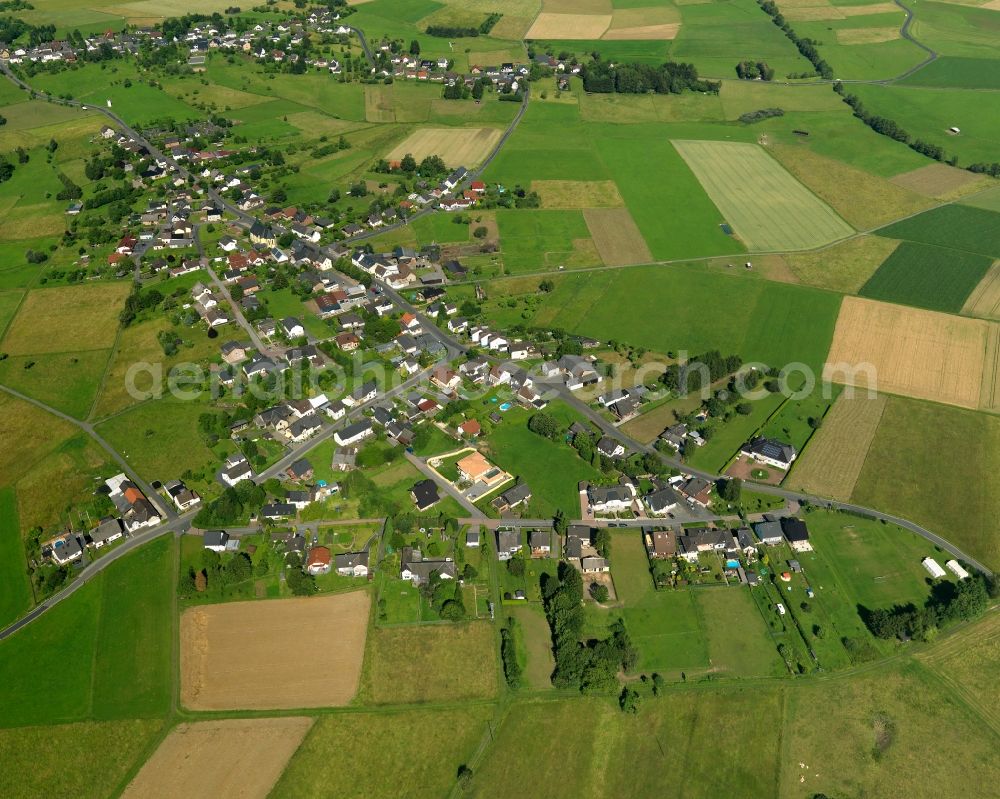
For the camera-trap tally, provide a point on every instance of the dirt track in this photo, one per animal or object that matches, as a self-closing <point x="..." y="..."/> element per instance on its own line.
<point x="265" y="655"/>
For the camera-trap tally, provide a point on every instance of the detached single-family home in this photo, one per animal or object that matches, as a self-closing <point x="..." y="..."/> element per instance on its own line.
<point x="610" y="499"/>
<point x="661" y="501"/>
<point x="352" y="564"/>
<point x="318" y="561"/>
<point x="512" y="497"/>
<point x="215" y="540"/>
<point x="770" y="452"/>
<point x="540" y="543"/>
<point x="415" y="568"/>
<point x="508" y="543"/>
<point x="661" y="544"/>
<point x="425" y="494"/>
<point x="108" y="531"/>
<point x="769" y="533"/>
<point x="183" y="497"/>
<point x="796" y="533"/>
<point x="354" y="433"/>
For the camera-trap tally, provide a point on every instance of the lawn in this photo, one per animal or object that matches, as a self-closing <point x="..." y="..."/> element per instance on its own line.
<point x="767" y="207"/>
<point x="959" y="227"/>
<point x="963" y="506"/>
<point x="534" y="641"/>
<point x="728" y="437"/>
<point x="416" y="747"/>
<point x="798" y="419"/>
<point x="15" y="590"/>
<point x="927" y="276"/>
<point x="738" y="640"/>
<point x="430" y="663"/>
<point x="94" y="655"/>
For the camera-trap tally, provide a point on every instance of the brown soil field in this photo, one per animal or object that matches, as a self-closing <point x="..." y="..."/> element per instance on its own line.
<point x="220" y="759"/>
<point x="571" y="194"/>
<point x="617" y="237"/>
<point x="940" y="181"/>
<point x="990" y="393"/>
<point x="430" y="663"/>
<point x="253" y="655"/>
<point x="864" y="200"/>
<point x="830" y="465"/>
<point x="67" y="319"/>
<point x="908" y="351"/>
<point x="985" y="298"/>
<point x="457" y="146"/>
<point x="568" y="26"/>
<point x="843" y="267"/>
<point x="666" y="30"/>
<point x="867" y="35"/>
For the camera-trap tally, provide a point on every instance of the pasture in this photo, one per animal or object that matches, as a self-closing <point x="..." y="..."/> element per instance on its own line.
<point x="66" y="319"/>
<point x="28" y="433"/>
<point x="93" y="771"/>
<point x="15" y="589"/>
<point x="616" y="236"/>
<point x="984" y="300"/>
<point x="457" y="146"/>
<point x="836" y="454"/>
<point x="844" y="266"/>
<point x="963" y="506"/>
<point x="940" y="181"/>
<point x="569" y="194"/>
<point x="960" y="227"/>
<point x="220" y="758"/>
<point x="738" y="640"/>
<point x="405" y="739"/>
<point x="67" y="381"/>
<point x="927" y="276"/>
<point x="250" y="655"/>
<point x="430" y="663"/>
<point x="957" y="72"/>
<point x="566" y="27"/>
<point x="909" y="351"/>
<point x="765" y="205"/>
<point x="537" y="240"/>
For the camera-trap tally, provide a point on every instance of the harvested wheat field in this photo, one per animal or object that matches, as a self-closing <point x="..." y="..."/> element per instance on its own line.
<point x="569" y="194"/>
<point x="866" y="35"/>
<point x="666" y="30"/>
<point x="219" y="759"/>
<point x="817" y="13"/>
<point x="909" y="351"/>
<point x="457" y="146"/>
<point x="985" y="298"/>
<point x="874" y="8"/>
<point x="617" y="237"/>
<point x="940" y="181"/>
<point x="568" y="26"/>
<point x="255" y="655"/>
<point x="989" y="398"/>
<point x="832" y="462"/>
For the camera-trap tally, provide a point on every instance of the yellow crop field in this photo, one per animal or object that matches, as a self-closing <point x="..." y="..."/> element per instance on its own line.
<point x="568" y="26"/>
<point x="457" y="146"/>
<point x="984" y="300"/>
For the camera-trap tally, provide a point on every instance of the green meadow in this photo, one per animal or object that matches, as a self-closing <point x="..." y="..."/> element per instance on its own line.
<point x="959" y="227"/>
<point x="15" y="590"/>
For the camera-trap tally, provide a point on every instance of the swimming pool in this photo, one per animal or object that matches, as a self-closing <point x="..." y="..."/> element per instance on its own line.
<point x="732" y="564"/>
<point x="505" y="406"/>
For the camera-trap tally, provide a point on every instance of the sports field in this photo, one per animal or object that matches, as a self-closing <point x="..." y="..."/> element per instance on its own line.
<point x="908" y="351"/>
<point x="830" y="465"/>
<point x="617" y="237"/>
<point x="457" y="146"/>
<point x="250" y="655"/>
<point x="765" y="205"/>
<point x="927" y="276"/>
<point x="227" y="758"/>
<point x="985" y="298"/>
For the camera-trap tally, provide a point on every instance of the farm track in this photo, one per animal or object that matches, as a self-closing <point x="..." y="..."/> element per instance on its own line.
<point x="181" y="523"/>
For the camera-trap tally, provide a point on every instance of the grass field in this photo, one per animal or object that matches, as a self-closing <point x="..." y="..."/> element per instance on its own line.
<point x="927" y="276"/>
<point x="535" y="645"/>
<point x="89" y="772"/>
<point x="941" y="181"/>
<point x="738" y="640"/>
<point x="843" y="267"/>
<point x="111" y="661"/>
<point x="909" y="351"/>
<point x="578" y="193"/>
<point x="765" y="205"/>
<point x="833" y="460"/>
<point x="15" y="590"/>
<point x="957" y="72"/>
<point x="617" y="237"/>
<point x="536" y="240"/>
<point x="68" y="381"/>
<point x="963" y="507"/>
<point x="430" y="663"/>
<point x="405" y="738"/>
<point x="960" y="227"/>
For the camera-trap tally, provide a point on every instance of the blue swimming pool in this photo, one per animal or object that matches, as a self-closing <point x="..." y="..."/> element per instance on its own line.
<point x="732" y="564"/>
<point x="505" y="406"/>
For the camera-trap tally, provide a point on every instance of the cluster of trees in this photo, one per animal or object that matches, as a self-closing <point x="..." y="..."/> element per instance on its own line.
<point x="331" y="147"/>
<point x="120" y="194"/>
<point x="460" y="31"/>
<point x="298" y="582"/>
<point x="508" y="654"/>
<point x="137" y="302"/>
<point x="983" y="168"/>
<point x="215" y="574"/>
<point x="445" y="596"/>
<point x="947" y="604"/>
<point x="764" y="113"/>
<point x="459" y="91"/>
<point x="691" y="376"/>
<point x="544" y="425"/>
<point x="892" y="129"/>
<point x="668" y="78"/>
<point x="754" y="70"/>
<point x="431" y="167"/>
<point x="70" y="190"/>
<point x="590" y="666"/>
<point x="807" y="47"/>
<point x="232" y="505"/>
<point x="6" y="169"/>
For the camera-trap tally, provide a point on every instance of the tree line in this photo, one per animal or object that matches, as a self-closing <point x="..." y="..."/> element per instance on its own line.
<point x="634" y="78"/>
<point x="465" y="31"/>
<point x="807" y="47"/>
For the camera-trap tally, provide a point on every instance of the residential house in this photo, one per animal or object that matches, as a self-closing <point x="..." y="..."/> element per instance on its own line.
<point x="215" y="540"/>
<point x="417" y="569"/>
<point x="662" y="501"/>
<point x="770" y="452"/>
<point x="512" y="497"/>
<point x="508" y="543"/>
<point x="796" y="533"/>
<point x="318" y="561"/>
<point x="425" y="494"/>
<point x="354" y="433"/>
<point x="183" y="497"/>
<point x="661" y="544"/>
<point x="352" y="564"/>
<point x="610" y="499"/>
<point x="540" y="543"/>
<point x="108" y="531"/>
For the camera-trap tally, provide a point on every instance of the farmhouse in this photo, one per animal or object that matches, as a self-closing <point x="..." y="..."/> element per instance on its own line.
<point x="770" y="452"/>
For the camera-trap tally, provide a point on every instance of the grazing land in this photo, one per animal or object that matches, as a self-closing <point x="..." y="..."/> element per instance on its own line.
<point x="963" y="507"/>
<point x="536" y="240"/>
<point x="836" y="454"/>
<point x="66" y="319"/>
<point x="940" y="181"/>
<point x="738" y="639"/>
<point x="843" y="267"/>
<point x="15" y="589"/>
<point x="250" y="655"/>
<point x="961" y="227"/>
<point x="404" y="739"/>
<point x="927" y="276"/>
<point x="578" y="193"/>
<point x="457" y="146"/>
<point x="68" y="381"/>
<point x="765" y="205"/>
<point x="908" y="351"/>
<point x="985" y="298"/>
<point x="430" y="663"/>
<point x="225" y="758"/>
<point x="617" y="237"/>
